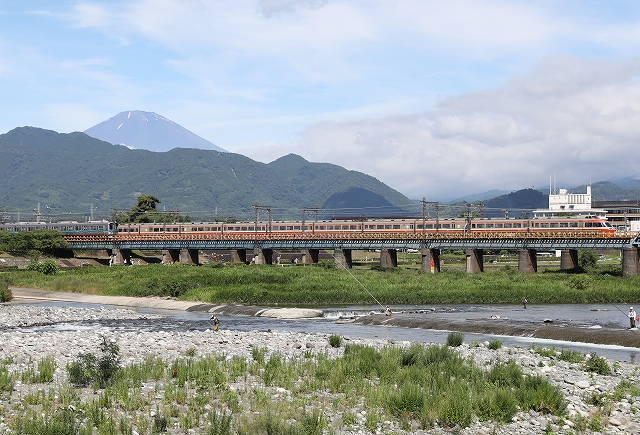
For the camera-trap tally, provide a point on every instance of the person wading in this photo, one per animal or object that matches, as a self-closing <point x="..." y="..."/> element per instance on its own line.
<point x="216" y="322"/>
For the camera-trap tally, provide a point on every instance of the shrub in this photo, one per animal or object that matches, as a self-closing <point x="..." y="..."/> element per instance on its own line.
<point x="335" y="340"/>
<point x="457" y="409"/>
<point x="579" y="282"/>
<point x="159" y="424"/>
<point x="7" y="380"/>
<point x="88" y="368"/>
<point x="499" y="405"/>
<point x="219" y="423"/>
<point x="587" y="260"/>
<point x="46" y="368"/>
<point x="495" y="344"/>
<point x="597" y="364"/>
<point x="175" y="289"/>
<point x="538" y="394"/>
<point x="5" y="293"/>
<point x="61" y="422"/>
<point x="572" y="356"/>
<point x="505" y="375"/>
<point x="409" y="400"/>
<point x="48" y="267"/>
<point x="454" y="339"/>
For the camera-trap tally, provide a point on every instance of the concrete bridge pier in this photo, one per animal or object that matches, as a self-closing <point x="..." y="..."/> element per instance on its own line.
<point x="263" y="256"/>
<point x="388" y="258"/>
<point x="630" y="262"/>
<point x="310" y="256"/>
<point x="238" y="255"/>
<point x="121" y="256"/>
<point x="342" y="258"/>
<point x="475" y="262"/>
<point x="170" y="256"/>
<point x="528" y="261"/>
<point x="190" y="256"/>
<point x="431" y="260"/>
<point x="568" y="259"/>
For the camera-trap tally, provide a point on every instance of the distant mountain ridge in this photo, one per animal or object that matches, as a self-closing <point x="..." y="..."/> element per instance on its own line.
<point x="73" y="172"/>
<point x="148" y="131"/>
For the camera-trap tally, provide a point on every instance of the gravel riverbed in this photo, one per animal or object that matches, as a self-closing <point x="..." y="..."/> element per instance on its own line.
<point x="23" y="343"/>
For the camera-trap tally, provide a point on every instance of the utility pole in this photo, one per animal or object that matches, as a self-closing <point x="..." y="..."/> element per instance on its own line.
<point x="37" y="213"/>
<point x="304" y="212"/>
<point x="257" y="210"/>
<point x="437" y="207"/>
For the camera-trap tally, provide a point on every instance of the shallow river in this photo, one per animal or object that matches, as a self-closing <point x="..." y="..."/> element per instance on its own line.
<point x="589" y="316"/>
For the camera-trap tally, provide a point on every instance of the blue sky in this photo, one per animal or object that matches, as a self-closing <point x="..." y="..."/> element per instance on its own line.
<point x="436" y="99"/>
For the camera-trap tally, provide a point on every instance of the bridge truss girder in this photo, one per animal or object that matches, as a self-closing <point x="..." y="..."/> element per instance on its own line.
<point x="539" y="244"/>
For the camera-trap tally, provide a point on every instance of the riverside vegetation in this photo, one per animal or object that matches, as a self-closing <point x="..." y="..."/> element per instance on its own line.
<point x="420" y="386"/>
<point x="324" y="285"/>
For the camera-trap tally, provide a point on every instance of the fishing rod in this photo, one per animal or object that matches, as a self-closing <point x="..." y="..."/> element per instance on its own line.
<point x="625" y="314"/>
<point x="353" y="276"/>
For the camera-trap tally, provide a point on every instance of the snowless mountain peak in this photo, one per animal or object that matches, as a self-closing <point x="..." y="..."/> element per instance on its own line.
<point x="148" y="131"/>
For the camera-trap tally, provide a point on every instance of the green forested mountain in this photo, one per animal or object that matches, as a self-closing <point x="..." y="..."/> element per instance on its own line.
<point x="68" y="173"/>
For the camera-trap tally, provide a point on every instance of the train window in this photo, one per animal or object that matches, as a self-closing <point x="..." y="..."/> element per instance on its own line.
<point x="589" y="224"/>
<point x="322" y="227"/>
<point x="446" y="225"/>
<point x="544" y="225"/>
<point x="353" y="227"/>
<point x="498" y="225"/>
<point x="489" y="225"/>
<point x="553" y="224"/>
<point x="380" y="227"/>
<point x="479" y="225"/>
<point x="573" y="224"/>
<point x="396" y="227"/>
<point x="564" y="224"/>
<point x="508" y="225"/>
<point x="517" y="225"/>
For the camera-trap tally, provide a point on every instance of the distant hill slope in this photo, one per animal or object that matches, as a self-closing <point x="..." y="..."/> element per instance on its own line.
<point x="148" y="131"/>
<point x="525" y="199"/>
<point x="70" y="172"/>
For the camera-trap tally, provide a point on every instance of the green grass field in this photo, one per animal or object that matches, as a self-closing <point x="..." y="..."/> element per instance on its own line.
<point x="323" y="285"/>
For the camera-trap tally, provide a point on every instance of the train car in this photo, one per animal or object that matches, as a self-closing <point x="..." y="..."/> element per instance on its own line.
<point x="405" y="226"/>
<point x="66" y="227"/>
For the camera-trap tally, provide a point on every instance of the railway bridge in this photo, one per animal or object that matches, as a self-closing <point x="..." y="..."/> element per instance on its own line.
<point x="259" y="247"/>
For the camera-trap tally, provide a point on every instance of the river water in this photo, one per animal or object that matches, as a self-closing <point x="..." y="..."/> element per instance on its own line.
<point x="609" y="316"/>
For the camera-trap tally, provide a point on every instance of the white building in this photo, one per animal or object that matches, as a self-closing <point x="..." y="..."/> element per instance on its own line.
<point x="565" y="203"/>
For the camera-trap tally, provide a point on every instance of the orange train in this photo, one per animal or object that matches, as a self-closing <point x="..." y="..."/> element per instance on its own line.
<point x="594" y="226"/>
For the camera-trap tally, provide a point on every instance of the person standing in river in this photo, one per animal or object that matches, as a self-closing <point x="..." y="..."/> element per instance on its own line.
<point x="524" y="303"/>
<point x="632" y="318"/>
<point x="216" y="322"/>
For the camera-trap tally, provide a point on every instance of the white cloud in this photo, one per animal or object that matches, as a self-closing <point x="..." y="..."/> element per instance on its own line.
<point x="578" y="119"/>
